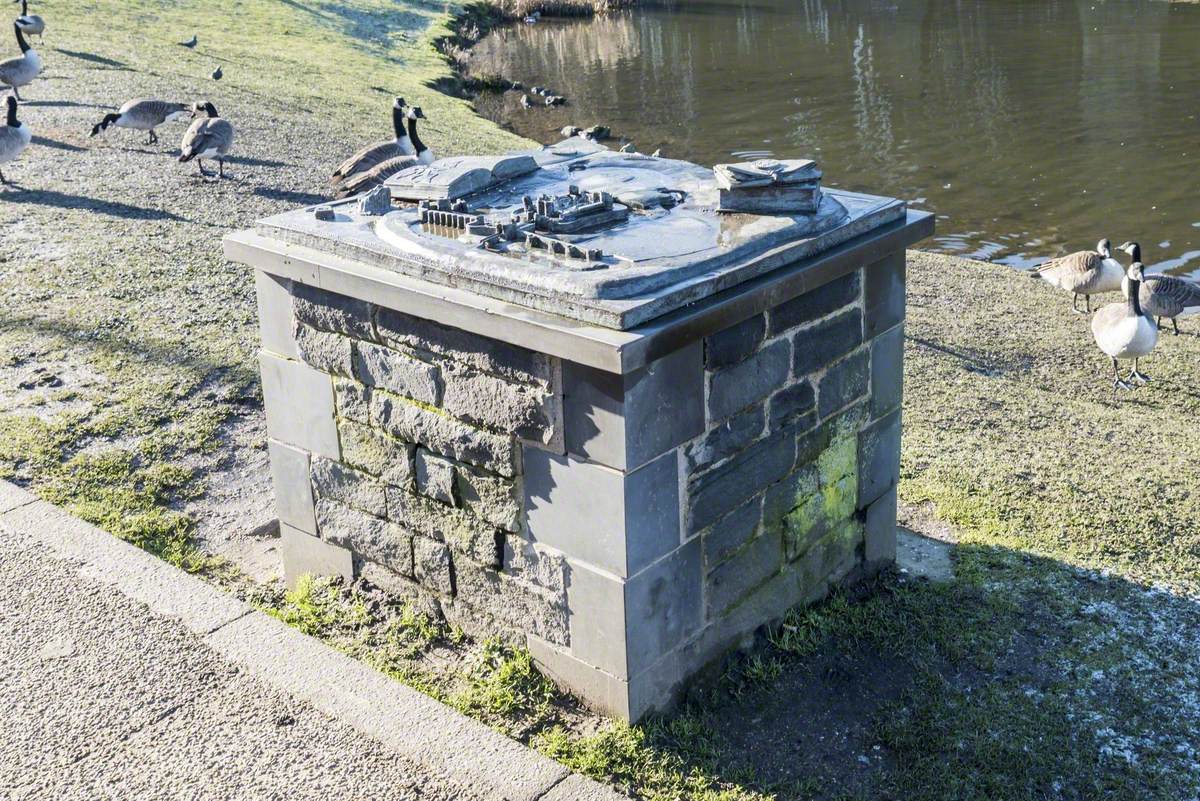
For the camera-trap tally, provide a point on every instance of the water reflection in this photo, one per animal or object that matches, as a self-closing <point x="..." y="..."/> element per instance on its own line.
<point x="1031" y="126"/>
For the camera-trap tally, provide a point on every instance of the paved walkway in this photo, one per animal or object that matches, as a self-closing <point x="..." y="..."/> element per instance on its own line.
<point x="181" y="692"/>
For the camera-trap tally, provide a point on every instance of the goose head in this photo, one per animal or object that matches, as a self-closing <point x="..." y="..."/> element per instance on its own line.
<point x="1104" y="248"/>
<point x="205" y="108"/>
<point x="415" y="113"/>
<point x="1135" y="272"/>
<point x="399" y="103"/>
<point x="1133" y="249"/>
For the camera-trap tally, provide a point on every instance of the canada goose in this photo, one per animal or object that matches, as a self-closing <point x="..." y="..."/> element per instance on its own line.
<point x="1123" y="331"/>
<point x="1085" y="272"/>
<point x="1165" y="295"/>
<point x="21" y="70"/>
<point x="31" y="24"/>
<point x="420" y="149"/>
<point x="208" y="137"/>
<point x="375" y="154"/>
<point x="14" y="137"/>
<point x="217" y="73"/>
<point x="190" y="43"/>
<point x="143" y="114"/>
<point x="376" y="175"/>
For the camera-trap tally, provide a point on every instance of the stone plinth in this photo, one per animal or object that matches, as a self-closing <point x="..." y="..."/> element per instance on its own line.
<point x="630" y="504"/>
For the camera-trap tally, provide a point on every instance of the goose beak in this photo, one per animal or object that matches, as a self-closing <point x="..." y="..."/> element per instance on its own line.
<point x="1128" y="246"/>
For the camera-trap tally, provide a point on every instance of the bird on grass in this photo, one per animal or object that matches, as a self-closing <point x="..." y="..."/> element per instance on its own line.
<point x="208" y="137"/>
<point x="217" y="73"/>
<point x="375" y="154"/>
<point x="190" y="43"/>
<point x="32" y="24"/>
<point x="1166" y="295"/>
<point x="143" y="114"/>
<point x="14" y="136"/>
<point x="368" y="179"/>
<point x="1085" y="272"/>
<point x="1124" y="331"/>
<point x="20" y="70"/>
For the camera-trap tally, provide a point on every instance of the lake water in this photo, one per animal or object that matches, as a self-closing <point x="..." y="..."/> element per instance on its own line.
<point x="1031" y="128"/>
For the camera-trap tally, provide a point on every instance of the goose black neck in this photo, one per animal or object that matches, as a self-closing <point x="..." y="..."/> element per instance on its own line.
<point x="211" y="110"/>
<point x="1132" y="295"/>
<point x="21" y="39"/>
<point x="398" y="121"/>
<point x="418" y="145"/>
<point x="1135" y="252"/>
<point x="11" y="121"/>
<point x="24" y="8"/>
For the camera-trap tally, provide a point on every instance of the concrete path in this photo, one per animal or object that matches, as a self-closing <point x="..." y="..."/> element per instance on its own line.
<point x="123" y="678"/>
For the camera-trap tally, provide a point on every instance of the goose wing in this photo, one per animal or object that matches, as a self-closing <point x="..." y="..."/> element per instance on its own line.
<point x="150" y="109"/>
<point x="11" y="143"/>
<point x="200" y="136"/>
<point x="1168" y="296"/>
<point x="1073" y="264"/>
<point x="362" y="181"/>
<point x="366" y="159"/>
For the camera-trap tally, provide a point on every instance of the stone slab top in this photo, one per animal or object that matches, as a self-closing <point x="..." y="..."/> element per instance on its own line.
<point x="576" y="230"/>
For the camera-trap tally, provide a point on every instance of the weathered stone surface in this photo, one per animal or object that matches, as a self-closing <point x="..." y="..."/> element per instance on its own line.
<point x="793" y="406"/>
<point x="830" y="558"/>
<point x="293" y="493"/>
<point x="323" y="350"/>
<point x="822" y="301"/>
<point x="352" y="400"/>
<point x="464" y="443"/>
<point x="536" y="565"/>
<point x="743" y="572"/>
<point x="274" y="296"/>
<point x="663" y="605"/>
<point x="734" y="388"/>
<point x="596" y="603"/>
<point x="731" y="532"/>
<point x="374" y="452"/>
<point x="299" y="405"/>
<point x="827" y="341"/>
<point x="431" y="565"/>
<point x="303" y="553"/>
<point x="490" y="497"/>
<point x="879" y="457"/>
<point x="844" y="383"/>
<point x="461" y="530"/>
<point x="398" y="586"/>
<point x="435" y="477"/>
<point x="332" y="312"/>
<point x="397" y="372"/>
<point x="378" y="540"/>
<point x="826" y="495"/>
<point x="725" y="439"/>
<point x="879" y="524"/>
<point x="523" y="606"/>
<point x="490" y="355"/>
<point x="338" y="482"/>
<point x="719" y="491"/>
<point x="887" y="371"/>
<point x="792" y="492"/>
<point x="529" y="411"/>
<point x="883" y="294"/>
<point x="735" y="343"/>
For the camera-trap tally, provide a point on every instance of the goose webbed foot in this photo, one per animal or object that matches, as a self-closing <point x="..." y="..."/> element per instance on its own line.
<point x="1137" y="378"/>
<point x="1119" y="384"/>
<point x="220" y="168"/>
<point x="200" y="166"/>
<point x="1175" y="326"/>
<point x="1075" y="305"/>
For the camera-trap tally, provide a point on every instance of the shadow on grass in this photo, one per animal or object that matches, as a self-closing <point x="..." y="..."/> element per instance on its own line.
<point x="253" y="162"/>
<point x="57" y="145"/>
<point x="91" y="57"/>
<point x="111" y="208"/>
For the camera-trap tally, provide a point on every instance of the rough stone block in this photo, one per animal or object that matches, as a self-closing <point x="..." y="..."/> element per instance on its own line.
<point x="299" y="405"/>
<point x="731" y="532"/>
<point x="735" y="343"/>
<point x="596" y="604"/>
<point x="878" y="458"/>
<point x="489" y="355"/>
<point x="275" y="314"/>
<point x="431" y="565"/>
<point x="461" y="530"/>
<point x="352" y="400"/>
<point x="721" y="490"/>
<point x="625" y="421"/>
<point x="522" y="606"/>
<point x="879" y="524"/>
<point x="435" y="477"/>
<point x="374" y="452"/>
<point x="794" y="406"/>
<point x="663" y="605"/>
<point x="785" y="496"/>
<point x="378" y="540"/>
<point x="293" y="495"/>
<point x="336" y="481"/>
<point x="744" y="572"/>
<point x="734" y="388"/>
<point x="412" y="422"/>
<point x="725" y="439"/>
<point x="883" y="294"/>
<point x="844" y="383"/>
<point x="887" y="371"/>
<point x="489" y="497"/>
<point x="616" y="521"/>
<point x="304" y="554"/>
<point x="827" y="341"/>
<point x="830" y="558"/>
<point x="535" y="564"/>
<point x="324" y="350"/>
<point x="329" y="311"/>
<point x="397" y="372"/>
<point x="531" y="412"/>
<point x="814" y="305"/>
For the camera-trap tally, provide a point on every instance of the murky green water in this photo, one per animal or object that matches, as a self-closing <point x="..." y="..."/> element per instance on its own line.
<point x="1031" y="127"/>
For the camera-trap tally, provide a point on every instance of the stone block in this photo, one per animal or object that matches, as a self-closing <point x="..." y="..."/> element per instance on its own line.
<point x="787" y="495"/>
<point x="397" y="372"/>
<point x="511" y="362"/>
<point x="299" y="405"/>
<point x="352" y="400"/>
<point x="844" y="383"/>
<point x="887" y="371"/>
<point x="795" y="406"/>
<point x="489" y="497"/>
<point x="432" y="566"/>
<point x="830" y="558"/>
<point x="732" y="389"/>
<point x="531" y="412"/>
<point x="883" y="294"/>
<point x="811" y="306"/>
<point x="721" y="490"/>
<point x="822" y="344"/>
<point x="304" y="554"/>
<point x="375" y="539"/>
<point x="596" y="609"/>
<point x="663" y="605"/>
<point x="435" y="477"/>
<point x="601" y="689"/>
<point x="329" y="311"/>
<point x="535" y="564"/>
<point x="878" y="458"/>
<point x="731" y="532"/>
<point x="744" y="572"/>
<point x="274" y="296"/>
<point x="725" y="439"/>
<point x="374" y="452"/>
<point x="521" y="606"/>
<point x="625" y="421"/>
<point x="413" y="422"/>
<point x="336" y="481"/>
<point x="397" y="586"/>
<point x="293" y="495"/>
<point x="618" y="522"/>
<point x="879" y="524"/>
<point x="324" y="350"/>
<point x="735" y="343"/>
<point x="461" y="530"/>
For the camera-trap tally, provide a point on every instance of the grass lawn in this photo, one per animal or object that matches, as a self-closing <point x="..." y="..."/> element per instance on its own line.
<point x="1064" y="661"/>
